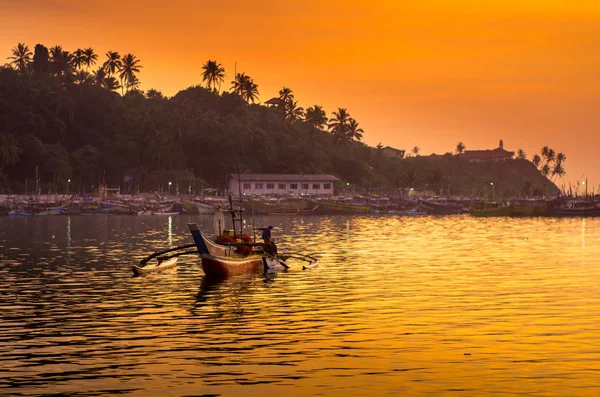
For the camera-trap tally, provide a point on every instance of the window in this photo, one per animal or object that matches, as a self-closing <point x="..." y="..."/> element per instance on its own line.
<point x="247" y="186"/>
<point x="270" y="186"/>
<point x="282" y="186"/>
<point x="258" y="185"/>
<point x="293" y="186"/>
<point x="327" y="186"/>
<point x="305" y="186"/>
<point x="316" y="186"/>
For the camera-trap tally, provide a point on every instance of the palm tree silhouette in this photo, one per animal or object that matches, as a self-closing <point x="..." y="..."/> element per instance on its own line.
<point x="113" y="64"/>
<point x="560" y="157"/>
<point x="558" y="170"/>
<point x="292" y="111"/>
<point x="214" y="74"/>
<point x="90" y="57"/>
<point x="129" y="67"/>
<point x="416" y="150"/>
<point x="550" y="156"/>
<point x="536" y="160"/>
<point x="21" y="56"/>
<point x="521" y="155"/>
<point x="111" y="84"/>
<point x="545" y="170"/>
<point x="82" y="77"/>
<point x="245" y="87"/>
<point x="460" y="148"/>
<point x="338" y="124"/>
<point x="316" y="117"/>
<point x="78" y="58"/>
<point x="285" y="94"/>
<point x="354" y="132"/>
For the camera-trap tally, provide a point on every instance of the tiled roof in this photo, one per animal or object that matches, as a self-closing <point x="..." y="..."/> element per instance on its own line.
<point x="284" y="177"/>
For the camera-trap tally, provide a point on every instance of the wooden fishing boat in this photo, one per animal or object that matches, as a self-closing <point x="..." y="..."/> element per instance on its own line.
<point x="442" y="208"/>
<point x="575" y="208"/>
<point x="491" y="212"/>
<point x="222" y="261"/>
<point x="159" y="267"/>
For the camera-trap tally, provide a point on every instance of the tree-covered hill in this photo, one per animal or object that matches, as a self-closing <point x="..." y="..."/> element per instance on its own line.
<point x="73" y="125"/>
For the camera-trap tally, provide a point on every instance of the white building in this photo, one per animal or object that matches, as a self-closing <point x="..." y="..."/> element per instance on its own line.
<point x="281" y="184"/>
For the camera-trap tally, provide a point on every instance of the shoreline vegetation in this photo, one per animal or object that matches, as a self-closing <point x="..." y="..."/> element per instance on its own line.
<point x="76" y="122"/>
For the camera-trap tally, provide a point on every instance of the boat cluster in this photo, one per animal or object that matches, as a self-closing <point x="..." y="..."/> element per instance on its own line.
<point x="129" y="205"/>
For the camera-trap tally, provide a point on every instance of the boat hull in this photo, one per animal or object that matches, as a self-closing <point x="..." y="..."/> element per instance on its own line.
<point x="491" y="212"/>
<point x="215" y="266"/>
<point x="151" y="269"/>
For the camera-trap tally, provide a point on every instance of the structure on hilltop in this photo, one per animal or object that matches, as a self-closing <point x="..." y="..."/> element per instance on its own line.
<point x="393" y="152"/>
<point x="478" y="156"/>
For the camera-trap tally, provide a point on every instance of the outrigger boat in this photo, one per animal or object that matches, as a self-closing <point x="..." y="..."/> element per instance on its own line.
<point x="225" y="260"/>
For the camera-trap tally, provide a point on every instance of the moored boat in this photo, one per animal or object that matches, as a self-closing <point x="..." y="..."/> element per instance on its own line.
<point x="491" y="212"/>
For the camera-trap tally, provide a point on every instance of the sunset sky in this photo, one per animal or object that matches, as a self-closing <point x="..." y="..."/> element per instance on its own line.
<point x="429" y="73"/>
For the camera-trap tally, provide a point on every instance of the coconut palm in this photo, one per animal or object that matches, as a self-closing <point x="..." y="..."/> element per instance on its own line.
<point x="550" y="155"/>
<point x="90" y="57"/>
<point x="285" y="94"/>
<point x="214" y="74"/>
<point x="129" y="67"/>
<point x="416" y="150"/>
<point x="460" y="148"/>
<point x="82" y="77"/>
<point x="293" y="112"/>
<point x="10" y="150"/>
<point x="545" y="170"/>
<point x="245" y="87"/>
<point x="354" y="132"/>
<point x="536" y="160"/>
<point x="99" y="76"/>
<point x="111" y="84"/>
<point x="78" y="58"/>
<point x="338" y="124"/>
<point x="316" y="117"/>
<point x="21" y="57"/>
<point x="560" y="157"/>
<point x="544" y="152"/>
<point x="521" y="155"/>
<point x="113" y="63"/>
<point x="558" y="170"/>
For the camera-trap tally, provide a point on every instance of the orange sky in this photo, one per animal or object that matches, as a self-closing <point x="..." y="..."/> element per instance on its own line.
<point x="427" y="73"/>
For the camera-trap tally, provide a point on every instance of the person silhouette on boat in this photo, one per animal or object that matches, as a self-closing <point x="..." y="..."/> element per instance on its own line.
<point x="266" y="234"/>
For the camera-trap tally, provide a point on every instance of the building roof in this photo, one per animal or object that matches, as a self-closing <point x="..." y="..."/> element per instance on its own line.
<point x="275" y="101"/>
<point x="284" y="177"/>
<point x="497" y="153"/>
<point x="391" y="148"/>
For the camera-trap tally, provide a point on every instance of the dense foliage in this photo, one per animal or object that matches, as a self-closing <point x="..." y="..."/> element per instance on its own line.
<point x="72" y="125"/>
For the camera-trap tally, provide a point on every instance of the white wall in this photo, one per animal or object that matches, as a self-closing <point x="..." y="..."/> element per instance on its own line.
<point x="234" y="188"/>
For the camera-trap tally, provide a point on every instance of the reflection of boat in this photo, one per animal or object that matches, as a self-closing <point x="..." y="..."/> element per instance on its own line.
<point x="159" y="267"/>
<point x="222" y="261"/>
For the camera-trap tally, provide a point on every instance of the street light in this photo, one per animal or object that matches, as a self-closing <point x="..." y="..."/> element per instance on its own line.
<point x="493" y="190"/>
<point x="169" y="187"/>
<point x="68" y="181"/>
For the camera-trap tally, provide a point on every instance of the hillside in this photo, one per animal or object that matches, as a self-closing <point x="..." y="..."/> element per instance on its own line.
<point x="86" y="134"/>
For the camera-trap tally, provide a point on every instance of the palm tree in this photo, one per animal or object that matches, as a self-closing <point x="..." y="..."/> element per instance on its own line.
<point x="214" y="74"/>
<point x="521" y="154"/>
<point x="560" y="157"/>
<point x="536" y="160"/>
<point x="354" y="132"/>
<point x="21" y="56"/>
<point x="558" y="170"/>
<point x="10" y="151"/>
<point x="292" y="111"/>
<point x="129" y="67"/>
<point x="545" y="170"/>
<point x="245" y="87"/>
<point x="99" y="76"/>
<point x="460" y="148"/>
<point x="545" y="151"/>
<point x="338" y="124"/>
<point x="550" y="155"/>
<point x="82" y="77"/>
<point x="113" y="63"/>
<point x="90" y="57"/>
<point x="285" y="94"/>
<point x="316" y="117"/>
<point x="111" y="84"/>
<point x="78" y="58"/>
<point x="416" y="150"/>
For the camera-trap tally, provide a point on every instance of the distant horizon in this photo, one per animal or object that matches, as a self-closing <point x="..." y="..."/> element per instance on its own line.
<point x="522" y="72"/>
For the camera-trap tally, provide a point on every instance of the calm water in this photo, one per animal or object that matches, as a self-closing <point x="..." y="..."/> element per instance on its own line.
<point x="398" y="306"/>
